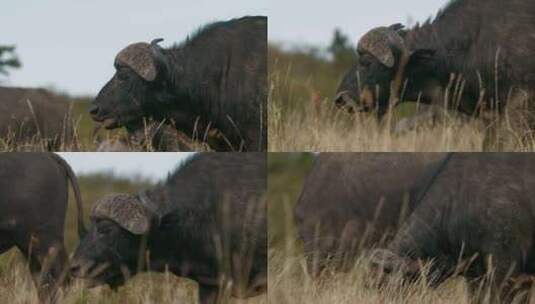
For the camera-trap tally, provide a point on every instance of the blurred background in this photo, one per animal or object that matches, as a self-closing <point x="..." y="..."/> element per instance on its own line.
<point x="135" y="166"/>
<point x="286" y="175"/>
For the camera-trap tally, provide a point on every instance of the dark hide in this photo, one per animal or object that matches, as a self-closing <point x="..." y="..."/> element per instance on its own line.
<point x="479" y="209"/>
<point x="352" y="201"/>
<point x="33" y="202"/>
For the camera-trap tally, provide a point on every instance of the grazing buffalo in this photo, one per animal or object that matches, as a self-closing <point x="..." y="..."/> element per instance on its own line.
<point x="480" y="50"/>
<point x="216" y="79"/>
<point x="34" y="117"/>
<point x="33" y="202"/>
<point x="355" y="200"/>
<point x="207" y="222"/>
<point x="479" y="210"/>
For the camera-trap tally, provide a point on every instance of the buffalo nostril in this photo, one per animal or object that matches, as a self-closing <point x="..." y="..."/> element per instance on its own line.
<point x="93" y="110"/>
<point x="75" y="268"/>
<point x="340" y="101"/>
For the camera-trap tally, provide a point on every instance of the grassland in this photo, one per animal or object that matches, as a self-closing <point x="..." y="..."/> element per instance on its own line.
<point x="289" y="280"/>
<point x="86" y="137"/>
<point x="302" y="117"/>
<point x="16" y="286"/>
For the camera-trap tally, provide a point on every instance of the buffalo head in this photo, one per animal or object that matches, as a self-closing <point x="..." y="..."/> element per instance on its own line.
<point x="377" y="80"/>
<point x="141" y="72"/>
<point x="110" y="251"/>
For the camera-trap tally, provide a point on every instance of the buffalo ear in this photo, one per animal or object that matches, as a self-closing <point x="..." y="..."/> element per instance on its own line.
<point x="380" y="43"/>
<point x="141" y="58"/>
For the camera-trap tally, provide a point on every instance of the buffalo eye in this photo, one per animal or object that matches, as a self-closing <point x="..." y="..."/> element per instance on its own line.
<point x="104" y="229"/>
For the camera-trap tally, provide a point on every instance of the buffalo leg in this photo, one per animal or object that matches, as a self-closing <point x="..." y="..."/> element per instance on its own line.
<point x="46" y="262"/>
<point x="208" y="294"/>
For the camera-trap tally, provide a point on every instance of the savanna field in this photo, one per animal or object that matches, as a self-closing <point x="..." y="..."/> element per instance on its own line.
<point x="16" y="285"/>
<point x="289" y="280"/>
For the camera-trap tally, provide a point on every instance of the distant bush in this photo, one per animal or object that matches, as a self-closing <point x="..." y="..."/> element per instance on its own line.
<point x="8" y="59"/>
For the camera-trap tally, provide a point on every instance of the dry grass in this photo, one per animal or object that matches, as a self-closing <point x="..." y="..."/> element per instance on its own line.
<point x="289" y="282"/>
<point x="148" y="288"/>
<point x="330" y="130"/>
<point x="16" y="287"/>
<point x="101" y="141"/>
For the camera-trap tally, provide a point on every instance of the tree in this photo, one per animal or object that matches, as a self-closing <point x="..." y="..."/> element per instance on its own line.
<point x="341" y="49"/>
<point x="8" y="59"/>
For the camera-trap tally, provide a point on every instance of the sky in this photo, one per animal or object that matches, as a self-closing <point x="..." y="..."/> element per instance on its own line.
<point x="308" y="22"/>
<point x="154" y="166"/>
<point x="71" y="44"/>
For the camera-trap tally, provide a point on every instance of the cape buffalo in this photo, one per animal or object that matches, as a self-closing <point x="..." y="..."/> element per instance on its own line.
<point x="31" y="116"/>
<point x="354" y="200"/>
<point x="207" y="222"/>
<point x="482" y="48"/>
<point x="215" y="79"/>
<point x="479" y="210"/>
<point x="33" y="202"/>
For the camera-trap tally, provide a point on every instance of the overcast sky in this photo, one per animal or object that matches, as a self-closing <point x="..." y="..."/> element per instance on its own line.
<point x="154" y="166"/>
<point x="313" y="22"/>
<point x="71" y="44"/>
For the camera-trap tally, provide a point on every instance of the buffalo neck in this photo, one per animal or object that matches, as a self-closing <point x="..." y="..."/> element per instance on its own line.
<point x="190" y="91"/>
<point x="429" y="36"/>
<point x="181" y="240"/>
<point x="455" y="35"/>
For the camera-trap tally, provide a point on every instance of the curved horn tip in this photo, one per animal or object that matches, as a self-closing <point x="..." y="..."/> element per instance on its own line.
<point x="156" y="41"/>
<point x="396" y="27"/>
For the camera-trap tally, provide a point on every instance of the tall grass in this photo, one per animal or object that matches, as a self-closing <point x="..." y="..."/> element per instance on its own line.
<point x="290" y="282"/>
<point x="322" y="128"/>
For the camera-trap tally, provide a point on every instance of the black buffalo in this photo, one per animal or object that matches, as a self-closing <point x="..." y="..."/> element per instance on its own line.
<point x="352" y="201"/>
<point x="479" y="210"/>
<point x="33" y="202"/>
<point x="217" y="79"/>
<point x="482" y="48"/>
<point x="207" y="222"/>
<point x="34" y="116"/>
